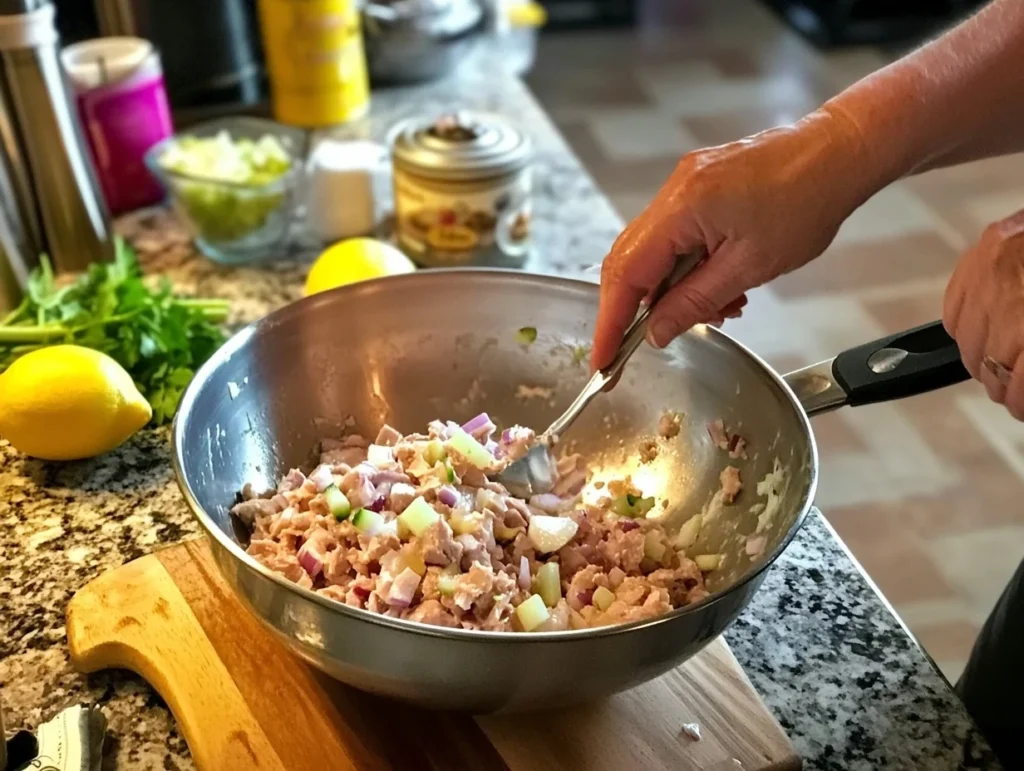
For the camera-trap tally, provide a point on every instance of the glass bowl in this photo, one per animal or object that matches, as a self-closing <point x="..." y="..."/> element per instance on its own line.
<point x="234" y="222"/>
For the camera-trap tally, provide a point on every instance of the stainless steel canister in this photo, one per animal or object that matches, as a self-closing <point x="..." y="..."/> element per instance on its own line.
<point x="48" y="191"/>
<point x="462" y="190"/>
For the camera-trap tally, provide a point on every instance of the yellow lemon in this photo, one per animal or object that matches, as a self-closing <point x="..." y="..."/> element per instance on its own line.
<point x="66" y="402"/>
<point x="355" y="259"/>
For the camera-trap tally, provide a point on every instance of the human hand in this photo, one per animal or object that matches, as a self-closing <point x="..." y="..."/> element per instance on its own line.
<point x="984" y="312"/>
<point x="761" y="206"/>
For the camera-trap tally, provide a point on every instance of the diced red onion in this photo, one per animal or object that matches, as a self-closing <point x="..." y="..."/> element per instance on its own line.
<point x="448" y="495"/>
<point x="586" y="598"/>
<point x="378" y="504"/>
<point x="506" y="436"/>
<point x="716" y="430"/>
<point x="476" y="423"/>
<point x="322" y="478"/>
<point x="629" y="524"/>
<point x="493" y="448"/>
<point x="360" y="591"/>
<point x="292" y="481"/>
<point x="524" y="573"/>
<point x="311" y="561"/>
<point x="367" y="492"/>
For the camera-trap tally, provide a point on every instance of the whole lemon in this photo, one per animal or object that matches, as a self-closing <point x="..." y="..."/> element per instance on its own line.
<point x="355" y="259"/>
<point x="66" y="402"/>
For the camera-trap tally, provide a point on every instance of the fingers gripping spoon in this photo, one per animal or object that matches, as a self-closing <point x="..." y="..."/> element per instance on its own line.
<point x="535" y="472"/>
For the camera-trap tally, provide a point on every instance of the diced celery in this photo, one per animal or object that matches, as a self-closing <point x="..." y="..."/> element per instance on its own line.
<point x="620" y="506"/>
<point x="532" y="612"/>
<point x="463" y="522"/>
<point x="446" y="582"/>
<point x="502" y="533"/>
<point x="337" y="502"/>
<point x="654" y="546"/>
<point x="631" y="505"/>
<point x="641" y="505"/>
<point x="445" y="474"/>
<point x="488" y="499"/>
<point x="379" y="455"/>
<point x="687" y="535"/>
<point x="366" y="521"/>
<point x="603" y="598"/>
<point x="526" y="335"/>
<point x="446" y="585"/>
<point x="434" y="452"/>
<point x="418" y="516"/>
<point x="470" y="449"/>
<point x="708" y="562"/>
<point x="549" y="534"/>
<point x="549" y="584"/>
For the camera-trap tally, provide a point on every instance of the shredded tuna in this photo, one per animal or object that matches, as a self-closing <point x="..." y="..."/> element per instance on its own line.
<point x="669" y="425"/>
<point x="249" y="510"/>
<point x="648" y="450"/>
<point x="731" y="484"/>
<point x="431" y="612"/>
<point x="387" y="436"/>
<point x="438" y="544"/>
<point x="464" y="568"/>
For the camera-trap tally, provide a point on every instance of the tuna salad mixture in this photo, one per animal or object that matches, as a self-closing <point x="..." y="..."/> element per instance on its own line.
<point x="413" y="527"/>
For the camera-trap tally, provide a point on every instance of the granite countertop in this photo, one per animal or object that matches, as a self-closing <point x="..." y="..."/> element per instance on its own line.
<point x="841" y="674"/>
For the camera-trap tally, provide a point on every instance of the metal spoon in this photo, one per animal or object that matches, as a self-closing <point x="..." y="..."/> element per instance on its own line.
<point x="535" y="472"/>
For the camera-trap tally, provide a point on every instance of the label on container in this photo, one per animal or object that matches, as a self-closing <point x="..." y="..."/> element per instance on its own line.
<point x="122" y="121"/>
<point x="485" y="226"/>
<point x="314" y="51"/>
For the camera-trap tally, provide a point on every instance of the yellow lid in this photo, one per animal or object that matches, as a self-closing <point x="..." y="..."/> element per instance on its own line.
<point x="527" y="14"/>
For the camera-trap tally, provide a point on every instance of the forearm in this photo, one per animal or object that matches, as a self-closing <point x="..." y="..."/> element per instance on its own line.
<point x="959" y="98"/>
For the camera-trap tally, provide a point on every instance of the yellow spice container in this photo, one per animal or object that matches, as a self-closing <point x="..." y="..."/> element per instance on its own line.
<point x="315" y="58"/>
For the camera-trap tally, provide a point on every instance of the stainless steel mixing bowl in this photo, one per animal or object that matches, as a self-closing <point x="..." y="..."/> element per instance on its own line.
<point x="443" y="344"/>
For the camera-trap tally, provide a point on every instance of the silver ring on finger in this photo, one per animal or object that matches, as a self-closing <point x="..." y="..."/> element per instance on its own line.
<point x="1000" y="372"/>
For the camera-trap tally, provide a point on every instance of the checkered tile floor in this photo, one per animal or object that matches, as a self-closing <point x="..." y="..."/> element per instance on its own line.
<point x="929" y="493"/>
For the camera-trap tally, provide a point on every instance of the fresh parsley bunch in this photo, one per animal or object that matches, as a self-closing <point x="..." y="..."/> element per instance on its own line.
<point x="158" y="338"/>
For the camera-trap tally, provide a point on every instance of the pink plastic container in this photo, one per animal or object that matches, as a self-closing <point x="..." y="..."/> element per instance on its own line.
<point x="123" y="107"/>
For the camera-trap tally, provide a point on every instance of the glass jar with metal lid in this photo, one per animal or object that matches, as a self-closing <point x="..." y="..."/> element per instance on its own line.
<point x="462" y="191"/>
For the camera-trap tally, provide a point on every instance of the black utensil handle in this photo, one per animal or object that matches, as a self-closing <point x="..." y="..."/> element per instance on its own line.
<point x="913" y="362"/>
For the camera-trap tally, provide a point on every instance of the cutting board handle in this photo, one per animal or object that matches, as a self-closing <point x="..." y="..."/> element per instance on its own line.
<point x="136" y="618"/>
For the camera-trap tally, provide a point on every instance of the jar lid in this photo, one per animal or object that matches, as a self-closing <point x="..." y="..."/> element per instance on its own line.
<point x="105" y="60"/>
<point x="463" y="146"/>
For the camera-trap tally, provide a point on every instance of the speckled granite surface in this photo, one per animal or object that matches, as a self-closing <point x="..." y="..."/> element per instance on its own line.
<point x="850" y="687"/>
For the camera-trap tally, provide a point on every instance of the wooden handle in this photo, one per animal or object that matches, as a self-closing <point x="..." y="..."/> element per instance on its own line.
<point x="136" y="618"/>
<point x="244" y="701"/>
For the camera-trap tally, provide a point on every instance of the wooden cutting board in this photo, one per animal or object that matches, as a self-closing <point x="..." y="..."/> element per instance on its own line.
<point x="243" y="702"/>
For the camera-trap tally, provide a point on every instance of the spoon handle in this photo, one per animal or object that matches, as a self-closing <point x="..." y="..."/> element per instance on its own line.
<point x="637" y="331"/>
<point x="630" y="342"/>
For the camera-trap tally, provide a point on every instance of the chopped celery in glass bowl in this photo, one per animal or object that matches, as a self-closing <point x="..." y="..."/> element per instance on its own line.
<point x="234" y="182"/>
